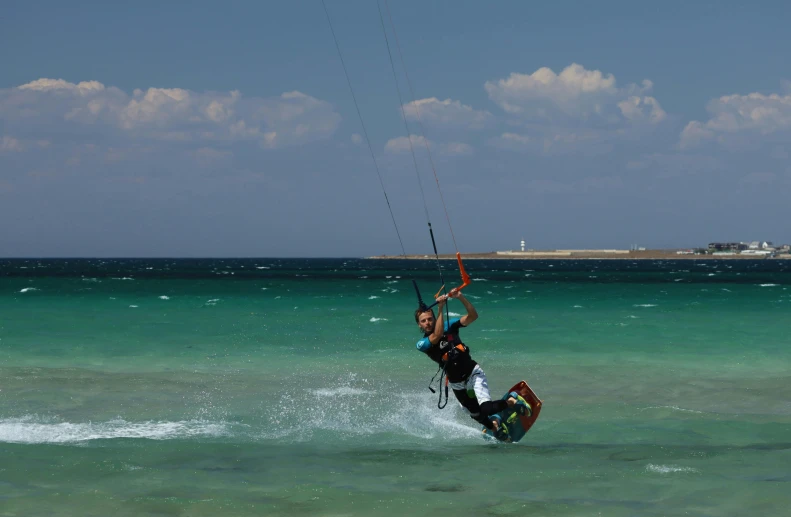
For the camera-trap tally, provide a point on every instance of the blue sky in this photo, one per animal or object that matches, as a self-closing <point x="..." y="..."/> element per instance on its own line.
<point x="208" y="129"/>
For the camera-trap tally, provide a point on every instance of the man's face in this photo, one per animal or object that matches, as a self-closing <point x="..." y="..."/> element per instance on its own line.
<point x="426" y="321"/>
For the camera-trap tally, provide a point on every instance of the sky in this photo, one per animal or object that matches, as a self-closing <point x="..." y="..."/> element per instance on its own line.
<point x="208" y="129"/>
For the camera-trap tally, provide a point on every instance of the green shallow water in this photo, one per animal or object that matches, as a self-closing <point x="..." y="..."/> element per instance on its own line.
<point x="277" y="387"/>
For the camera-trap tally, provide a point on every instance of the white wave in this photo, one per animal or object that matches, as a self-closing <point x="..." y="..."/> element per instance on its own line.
<point x="29" y="430"/>
<point x="163" y="297"/>
<point x="214" y="301"/>
<point x="90" y="279"/>
<point x="412" y="414"/>
<point x="674" y="408"/>
<point x="769" y="285"/>
<point x="28" y="289"/>
<point x="479" y="280"/>
<point x="373" y="297"/>
<point x="123" y="278"/>
<point x="262" y="267"/>
<point x="342" y="391"/>
<point x="667" y="469"/>
<point x="374" y="320"/>
<point x="644" y="305"/>
<point x="454" y="314"/>
<point x="579" y="307"/>
<point x="133" y="306"/>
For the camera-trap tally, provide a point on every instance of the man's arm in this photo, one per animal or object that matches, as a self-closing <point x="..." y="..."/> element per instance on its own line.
<point x="439" y="325"/>
<point x="472" y="314"/>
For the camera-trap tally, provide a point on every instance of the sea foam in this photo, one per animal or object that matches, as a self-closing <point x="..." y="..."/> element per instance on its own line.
<point x="32" y="430"/>
<point x="668" y="469"/>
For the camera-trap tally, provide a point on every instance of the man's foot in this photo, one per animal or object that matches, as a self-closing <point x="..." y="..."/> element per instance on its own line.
<point x="520" y="405"/>
<point x="500" y="431"/>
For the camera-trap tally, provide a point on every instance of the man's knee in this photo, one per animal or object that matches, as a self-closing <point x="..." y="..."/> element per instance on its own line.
<point x="487" y="408"/>
<point x="465" y="400"/>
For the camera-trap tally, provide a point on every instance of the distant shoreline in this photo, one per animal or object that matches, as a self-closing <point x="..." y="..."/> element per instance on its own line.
<point x="584" y="254"/>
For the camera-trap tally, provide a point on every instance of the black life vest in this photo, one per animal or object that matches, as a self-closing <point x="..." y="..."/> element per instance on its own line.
<point x="453" y="355"/>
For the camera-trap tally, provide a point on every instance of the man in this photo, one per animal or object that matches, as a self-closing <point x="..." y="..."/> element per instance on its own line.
<point x="442" y="344"/>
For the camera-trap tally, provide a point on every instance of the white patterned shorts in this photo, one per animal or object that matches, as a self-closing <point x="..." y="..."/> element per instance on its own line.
<point x="475" y="382"/>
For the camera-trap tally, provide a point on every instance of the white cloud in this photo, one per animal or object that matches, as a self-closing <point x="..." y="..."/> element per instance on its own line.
<point x="557" y="142"/>
<point x="401" y="145"/>
<point x="576" y="94"/>
<point x="516" y="138"/>
<point x="167" y="113"/>
<point x="447" y="113"/>
<point x="740" y="116"/>
<point x="83" y="88"/>
<point x="695" y="133"/>
<point x="10" y="145"/>
<point x="456" y="149"/>
<point x="357" y="139"/>
<point x="642" y="108"/>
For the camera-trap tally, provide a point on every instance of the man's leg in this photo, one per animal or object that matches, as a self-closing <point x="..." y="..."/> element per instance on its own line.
<point x="477" y="382"/>
<point x="472" y="407"/>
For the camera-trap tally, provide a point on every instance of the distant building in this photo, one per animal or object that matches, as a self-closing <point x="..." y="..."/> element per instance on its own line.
<point x="728" y="246"/>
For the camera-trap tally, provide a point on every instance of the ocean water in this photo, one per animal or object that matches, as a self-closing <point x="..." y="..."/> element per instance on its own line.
<point x="292" y="387"/>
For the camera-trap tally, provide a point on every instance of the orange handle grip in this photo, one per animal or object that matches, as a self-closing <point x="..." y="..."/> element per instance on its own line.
<point x="465" y="278"/>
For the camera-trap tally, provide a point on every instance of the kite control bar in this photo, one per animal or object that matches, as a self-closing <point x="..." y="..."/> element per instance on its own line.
<point x="465" y="279"/>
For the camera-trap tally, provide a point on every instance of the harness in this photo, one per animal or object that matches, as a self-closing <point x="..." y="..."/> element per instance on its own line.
<point x="450" y="352"/>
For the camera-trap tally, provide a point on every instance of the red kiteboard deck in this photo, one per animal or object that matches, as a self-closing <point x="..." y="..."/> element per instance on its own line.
<point x="518" y="427"/>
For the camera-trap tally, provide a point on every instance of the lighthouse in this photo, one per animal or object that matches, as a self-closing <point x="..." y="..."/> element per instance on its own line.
<point x="523" y="245"/>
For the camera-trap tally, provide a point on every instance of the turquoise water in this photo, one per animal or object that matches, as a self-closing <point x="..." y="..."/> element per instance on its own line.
<point x="292" y="387"/>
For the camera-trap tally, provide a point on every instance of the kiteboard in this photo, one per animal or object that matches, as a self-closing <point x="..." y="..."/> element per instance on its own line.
<point x="519" y="418"/>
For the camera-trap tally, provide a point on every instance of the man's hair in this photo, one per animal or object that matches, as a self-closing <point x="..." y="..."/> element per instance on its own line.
<point x="421" y="310"/>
